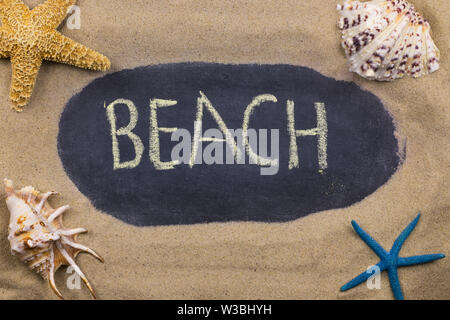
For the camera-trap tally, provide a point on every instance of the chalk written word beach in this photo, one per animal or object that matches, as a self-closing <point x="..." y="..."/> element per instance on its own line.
<point x="238" y="141"/>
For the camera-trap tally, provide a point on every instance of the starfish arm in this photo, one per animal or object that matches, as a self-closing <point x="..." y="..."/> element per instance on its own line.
<point x="370" y="241"/>
<point x="361" y="278"/>
<point x="395" y="283"/>
<point x="12" y="11"/>
<point x="12" y="3"/>
<point x="410" y="261"/>
<point x="4" y="44"/>
<point x="25" y="67"/>
<point x="65" y="50"/>
<point x="51" y="13"/>
<point x="403" y="236"/>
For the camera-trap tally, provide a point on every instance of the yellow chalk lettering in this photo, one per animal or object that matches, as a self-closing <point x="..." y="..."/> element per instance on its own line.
<point x="321" y="131"/>
<point x="126" y="131"/>
<point x="198" y="139"/>
<point x="254" y="157"/>
<point x="155" y="154"/>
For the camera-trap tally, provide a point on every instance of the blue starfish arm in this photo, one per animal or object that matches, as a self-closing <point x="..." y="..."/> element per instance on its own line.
<point x="395" y="283"/>
<point x="403" y="236"/>
<point x="361" y="278"/>
<point x="370" y="241"/>
<point x="391" y="261"/>
<point x="410" y="261"/>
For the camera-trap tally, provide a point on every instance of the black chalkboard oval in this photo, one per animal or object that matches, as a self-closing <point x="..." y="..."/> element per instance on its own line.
<point x="351" y="153"/>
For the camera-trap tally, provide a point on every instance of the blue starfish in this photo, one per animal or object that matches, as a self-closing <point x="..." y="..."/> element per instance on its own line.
<point x="390" y="261"/>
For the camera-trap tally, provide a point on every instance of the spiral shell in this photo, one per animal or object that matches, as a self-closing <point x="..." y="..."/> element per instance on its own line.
<point x="385" y="40"/>
<point x="37" y="235"/>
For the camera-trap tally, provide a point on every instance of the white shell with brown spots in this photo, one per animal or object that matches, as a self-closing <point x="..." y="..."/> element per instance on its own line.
<point x="386" y="40"/>
<point x="38" y="237"/>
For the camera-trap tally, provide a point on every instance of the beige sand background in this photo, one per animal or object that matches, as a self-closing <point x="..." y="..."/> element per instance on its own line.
<point x="306" y="259"/>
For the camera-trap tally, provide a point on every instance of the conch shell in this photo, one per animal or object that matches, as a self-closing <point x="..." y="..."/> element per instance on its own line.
<point x="38" y="237"/>
<point x="385" y="40"/>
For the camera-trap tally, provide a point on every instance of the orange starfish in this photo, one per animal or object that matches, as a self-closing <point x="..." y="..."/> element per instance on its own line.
<point x="29" y="36"/>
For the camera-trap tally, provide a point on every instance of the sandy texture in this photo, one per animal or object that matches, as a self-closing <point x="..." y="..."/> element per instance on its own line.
<point x="306" y="259"/>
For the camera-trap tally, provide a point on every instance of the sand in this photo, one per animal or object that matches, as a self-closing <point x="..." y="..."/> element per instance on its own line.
<point x="309" y="258"/>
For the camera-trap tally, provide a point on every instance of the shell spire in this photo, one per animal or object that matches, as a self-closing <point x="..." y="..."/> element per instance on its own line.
<point x="38" y="237"/>
<point x="386" y="40"/>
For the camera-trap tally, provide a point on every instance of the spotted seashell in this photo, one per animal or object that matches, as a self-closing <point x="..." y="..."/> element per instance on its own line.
<point x="384" y="40"/>
<point x="38" y="237"/>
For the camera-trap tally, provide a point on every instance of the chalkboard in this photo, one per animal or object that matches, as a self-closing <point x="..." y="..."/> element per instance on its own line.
<point x="320" y="143"/>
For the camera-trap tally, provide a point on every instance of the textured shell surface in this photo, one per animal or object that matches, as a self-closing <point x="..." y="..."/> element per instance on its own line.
<point x="386" y="40"/>
<point x="38" y="237"/>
